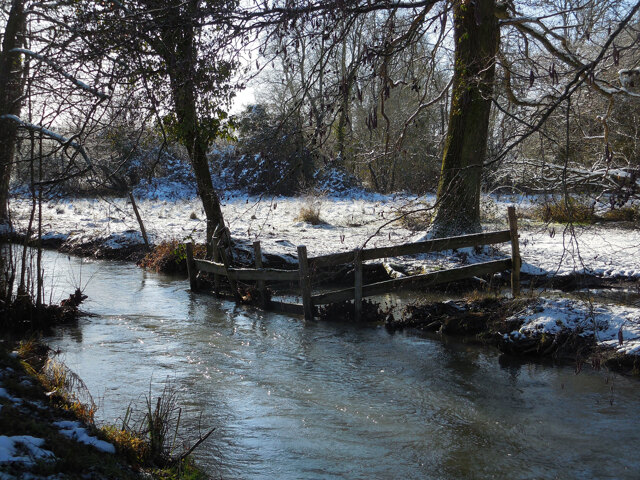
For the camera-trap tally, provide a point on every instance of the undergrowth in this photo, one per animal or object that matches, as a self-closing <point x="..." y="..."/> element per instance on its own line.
<point x="416" y="218"/>
<point x="580" y="211"/>
<point x="565" y="210"/>
<point x="170" y="257"/>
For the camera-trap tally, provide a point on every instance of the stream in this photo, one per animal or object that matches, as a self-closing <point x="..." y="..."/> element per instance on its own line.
<point x="311" y="400"/>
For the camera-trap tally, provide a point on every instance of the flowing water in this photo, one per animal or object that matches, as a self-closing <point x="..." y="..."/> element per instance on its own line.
<point x="310" y="400"/>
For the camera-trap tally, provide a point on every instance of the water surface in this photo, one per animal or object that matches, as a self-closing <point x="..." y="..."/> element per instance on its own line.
<point x="311" y="400"/>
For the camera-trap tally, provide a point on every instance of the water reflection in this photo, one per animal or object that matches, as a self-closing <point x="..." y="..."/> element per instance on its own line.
<point x="291" y="399"/>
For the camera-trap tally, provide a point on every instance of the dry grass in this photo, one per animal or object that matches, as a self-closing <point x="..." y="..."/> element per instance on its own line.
<point x="310" y="213"/>
<point x="579" y="211"/>
<point x="416" y="218"/>
<point x="565" y="210"/>
<point x="170" y="257"/>
<point x="623" y="214"/>
<point x="68" y="387"/>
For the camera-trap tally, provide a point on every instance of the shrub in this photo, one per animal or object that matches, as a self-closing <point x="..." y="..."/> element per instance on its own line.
<point x="271" y="154"/>
<point x="622" y="214"/>
<point x="416" y="218"/>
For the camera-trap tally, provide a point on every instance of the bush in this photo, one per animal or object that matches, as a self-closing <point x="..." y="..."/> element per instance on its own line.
<point x="623" y="214"/>
<point x="271" y="154"/>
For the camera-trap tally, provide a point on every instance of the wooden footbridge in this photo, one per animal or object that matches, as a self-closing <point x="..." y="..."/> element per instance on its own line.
<point x="307" y="266"/>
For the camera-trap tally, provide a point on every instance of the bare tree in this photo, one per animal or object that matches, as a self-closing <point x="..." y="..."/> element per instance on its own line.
<point x="554" y="51"/>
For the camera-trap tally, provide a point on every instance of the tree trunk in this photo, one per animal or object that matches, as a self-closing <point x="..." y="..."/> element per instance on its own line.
<point x="178" y="51"/>
<point x="476" y="36"/>
<point x="11" y="87"/>
<point x="184" y="99"/>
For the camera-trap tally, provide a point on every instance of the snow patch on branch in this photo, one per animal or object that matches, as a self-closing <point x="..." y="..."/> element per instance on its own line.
<point x="50" y="134"/>
<point x="57" y="68"/>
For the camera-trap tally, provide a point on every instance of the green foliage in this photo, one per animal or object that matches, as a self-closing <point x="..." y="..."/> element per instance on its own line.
<point x="273" y="155"/>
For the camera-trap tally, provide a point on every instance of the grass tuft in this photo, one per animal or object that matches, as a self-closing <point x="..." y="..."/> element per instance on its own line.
<point x="623" y="214"/>
<point x="310" y="213"/>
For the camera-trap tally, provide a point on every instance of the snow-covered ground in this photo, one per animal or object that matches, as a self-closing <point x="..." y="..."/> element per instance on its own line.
<point x="350" y="222"/>
<point x="613" y="326"/>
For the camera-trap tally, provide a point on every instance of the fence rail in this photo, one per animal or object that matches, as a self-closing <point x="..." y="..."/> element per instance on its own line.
<point x="425" y="279"/>
<point x="306" y="266"/>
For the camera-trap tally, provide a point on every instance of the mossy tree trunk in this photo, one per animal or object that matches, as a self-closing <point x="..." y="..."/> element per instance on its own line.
<point x="177" y="23"/>
<point x="476" y="36"/>
<point x="192" y="138"/>
<point x="11" y="90"/>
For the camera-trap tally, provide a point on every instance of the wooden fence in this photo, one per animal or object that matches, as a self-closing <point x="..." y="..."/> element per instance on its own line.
<point x="306" y="266"/>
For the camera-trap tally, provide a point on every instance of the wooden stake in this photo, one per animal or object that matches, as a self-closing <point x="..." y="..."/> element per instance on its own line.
<point x="357" y="269"/>
<point x="191" y="267"/>
<point x="139" y="218"/>
<point x="515" y="252"/>
<point x="305" y="282"/>
<point x="257" y="251"/>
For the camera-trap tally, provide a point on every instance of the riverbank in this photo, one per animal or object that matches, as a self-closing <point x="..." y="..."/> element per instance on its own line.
<point x="107" y="228"/>
<point x="47" y="429"/>
<point x="566" y="330"/>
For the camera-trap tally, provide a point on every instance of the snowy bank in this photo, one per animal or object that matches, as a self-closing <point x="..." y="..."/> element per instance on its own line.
<point x="611" y="326"/>
<point x="362" y="220"/>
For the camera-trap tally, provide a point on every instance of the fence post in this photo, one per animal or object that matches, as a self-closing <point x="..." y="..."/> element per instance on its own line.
<point x="143" y="231"/>
<point x="257" y="251"/>
<point x="305" y="282"/>
<point x="515" y="252"/>
<point x="357" y="270"/>
<point x="191" y="267"/>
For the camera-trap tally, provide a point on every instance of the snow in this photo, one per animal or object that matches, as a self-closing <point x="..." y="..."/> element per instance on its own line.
<point x="23" y="449"/>
<point x="76" y="431"/>
<point x="606" y="252"/>
<point x="361" y="219"/>
<point x="351" y="222"/>
<point x="614" y="326"/>
<point x="4" y="394"/>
